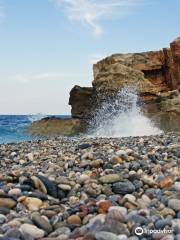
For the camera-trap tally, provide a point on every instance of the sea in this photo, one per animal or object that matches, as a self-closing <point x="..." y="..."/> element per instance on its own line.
<point x="13" y="128"/>
<point x="121" y="116"/>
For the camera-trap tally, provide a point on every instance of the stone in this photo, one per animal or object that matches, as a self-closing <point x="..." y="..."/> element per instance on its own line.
<point x="33" y="204"/>
<point x="110" y="178"/>
<point x="74" y="220"/>
<point x="30" y="156"/>
<point x="117" y="159"/>
<point x="13" y="234"/>
<point x="103" y="206"/>
<point x="106" y="236"/>
<point x="166" y="182"/>
<point x="168" y="211"/>
<point x="177" y="186"/>
<point x="51" y="187"/>
<point x="14" y="192"/>
<point x="123" y="154"/>
<point x="35" y="232"/>
<point x="7" y="203"/>
<point x="56" y="126"/>
<point x="122" y="210"/>
<point x="41" y="222"/>
<point x="4" y="210"/>
<point x="117" y="213"/>
<point x="93" y="189"/>
<point x="84" y="145"/>
<point x="115" y="227"/>
<point x="80" y="98"/>
<point x="39" y="184"/>
<point x="161" y="224"/>
<point x="3" y="219"/>
<point x="65" y="187"/>
<point x="174" y="204"/>
<point x="153" y="73"/>
<point x="123" y="187"/>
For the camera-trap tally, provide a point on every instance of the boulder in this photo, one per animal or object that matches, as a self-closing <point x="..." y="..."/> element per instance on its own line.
<point x="80" y="100"/>
<point x="56" y="126"/>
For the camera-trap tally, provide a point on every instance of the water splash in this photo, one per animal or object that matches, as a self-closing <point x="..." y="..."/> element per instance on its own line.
<point x="36" y="117"/>
<point x="121" y="116"/>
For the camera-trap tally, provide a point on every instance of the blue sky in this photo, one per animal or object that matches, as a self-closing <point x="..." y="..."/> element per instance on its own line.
<point x="48" y="46"/>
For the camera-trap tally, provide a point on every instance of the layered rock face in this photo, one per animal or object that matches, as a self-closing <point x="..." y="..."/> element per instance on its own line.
<point x="151" y="73"/>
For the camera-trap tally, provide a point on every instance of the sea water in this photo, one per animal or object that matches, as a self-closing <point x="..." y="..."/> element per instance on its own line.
<point x="121" y="116"/>
<point x="13" y="128"/>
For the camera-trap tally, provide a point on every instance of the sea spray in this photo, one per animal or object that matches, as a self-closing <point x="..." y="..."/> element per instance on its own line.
<point x="121" y="116"/>
<point x="36" y="117"/>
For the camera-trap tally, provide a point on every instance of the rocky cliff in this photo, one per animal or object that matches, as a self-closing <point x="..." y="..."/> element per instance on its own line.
<point x="156" y="76"/>
<point x="153" y="73"/>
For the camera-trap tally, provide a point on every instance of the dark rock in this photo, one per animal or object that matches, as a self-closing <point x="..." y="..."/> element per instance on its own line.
<point x="52" y="188"/>
<point x="41" y="223"/>
<point x="123" y="187"/>
<point x="4" y="210"/>
<point x="161" y="224"/>
<point x="84" y="145"/>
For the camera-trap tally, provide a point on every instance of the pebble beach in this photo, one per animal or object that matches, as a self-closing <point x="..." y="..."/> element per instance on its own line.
<point x="91" y="189"/>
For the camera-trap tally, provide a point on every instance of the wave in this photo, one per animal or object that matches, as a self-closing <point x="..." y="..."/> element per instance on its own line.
<point x="36" y="117"/>
<point x="121" y="116"/>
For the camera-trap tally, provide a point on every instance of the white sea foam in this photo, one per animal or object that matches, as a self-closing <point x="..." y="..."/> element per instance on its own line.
<point x="121" y="117"/>
<point x="36" y="117"/>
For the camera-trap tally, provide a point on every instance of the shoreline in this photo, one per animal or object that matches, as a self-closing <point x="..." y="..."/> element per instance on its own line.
<point x="90" y="188"/>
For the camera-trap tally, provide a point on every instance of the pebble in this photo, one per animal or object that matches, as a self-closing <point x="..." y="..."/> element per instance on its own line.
<point x="123" y="187"/>
<point x="177" y="186"/>
<point x="41" y="222"/>
<point x="174" y="204"/>
<point x="90" y="188"/>
<point x="74" y="220"/>
<point x="32" y="230"/>
<point x="106" y="236"/>
<point x="110" y="178"/>
<point x="166" y="182"/>
<point x="7" y="203"/>
<point x="33" y="204"/>
<point x="14" y="192"/>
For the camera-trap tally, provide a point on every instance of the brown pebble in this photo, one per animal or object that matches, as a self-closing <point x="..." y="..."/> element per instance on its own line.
<point x="74" y="220"/>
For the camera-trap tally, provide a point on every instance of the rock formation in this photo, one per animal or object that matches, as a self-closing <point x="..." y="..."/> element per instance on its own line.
<point x="56" y="126"/>
<point x="152" y="73"/>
